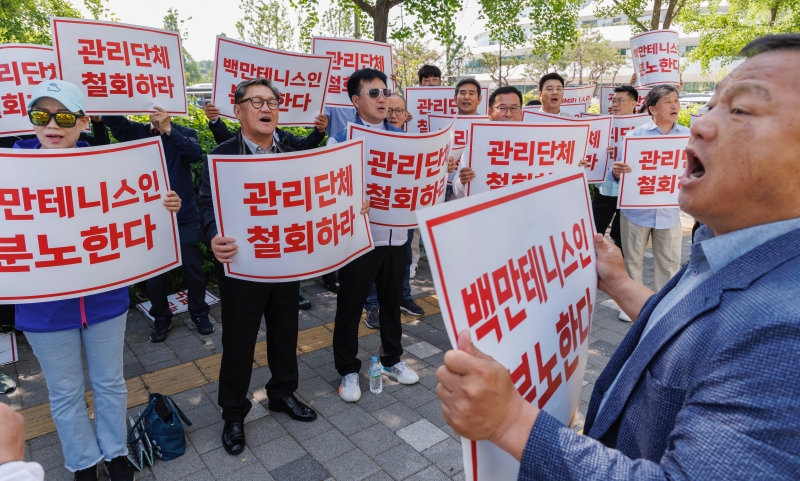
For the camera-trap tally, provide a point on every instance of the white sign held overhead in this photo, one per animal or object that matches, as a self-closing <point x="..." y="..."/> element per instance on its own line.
<point x="657" y="164"/>
<point x="22" y="67"/>
<point x="349" y="55"/>
<point x="423" y="101"/>
<point x="656" y="58"/>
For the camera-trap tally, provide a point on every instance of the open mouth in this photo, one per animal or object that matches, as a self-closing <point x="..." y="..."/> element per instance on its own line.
<point x="54" y="137"/>
<point x="694" y="165"/>
<point x="265" y="119"/>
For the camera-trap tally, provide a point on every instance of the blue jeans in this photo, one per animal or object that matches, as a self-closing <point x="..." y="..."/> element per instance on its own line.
<point x="59" y="354"/>
<point x="372" y="298"/>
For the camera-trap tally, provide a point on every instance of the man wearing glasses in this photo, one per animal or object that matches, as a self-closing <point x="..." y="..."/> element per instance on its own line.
<point x="551" y="92"/>
<point x="384" y="266"/>
<point x="505" y="105"/>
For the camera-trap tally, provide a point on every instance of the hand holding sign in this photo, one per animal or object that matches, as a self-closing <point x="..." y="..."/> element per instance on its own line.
<point x="161" y="121"/>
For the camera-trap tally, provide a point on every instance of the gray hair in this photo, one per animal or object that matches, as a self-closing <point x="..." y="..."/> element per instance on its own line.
<point x="657" y="93"/>
<point x="241" y="89"/>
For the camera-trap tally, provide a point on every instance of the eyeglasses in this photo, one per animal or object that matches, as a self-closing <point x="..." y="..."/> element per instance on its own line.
<point x="514" y="109"/>
<point x="375" y="93"/>
<point x="258" y="102"/>
<point x="395" y="111"/>
<point x="63" y="119"/>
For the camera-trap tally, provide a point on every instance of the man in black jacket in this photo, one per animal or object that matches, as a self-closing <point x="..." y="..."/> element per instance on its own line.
<point x="245" y="302"/>
<point x="181" y="149"/>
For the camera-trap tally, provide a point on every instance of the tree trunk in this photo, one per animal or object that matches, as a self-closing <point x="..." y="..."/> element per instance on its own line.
<point x="672" y="12"/>
<point x="356" y="24"/>
<point x="381" y="20"/>
<point x="656" y="18"/>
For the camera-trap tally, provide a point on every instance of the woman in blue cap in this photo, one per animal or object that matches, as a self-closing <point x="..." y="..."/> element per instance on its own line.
<point x="56" y="330"/>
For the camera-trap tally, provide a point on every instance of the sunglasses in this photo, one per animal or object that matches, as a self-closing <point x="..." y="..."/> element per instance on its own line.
<point x="375" y="93"/>
<point x="63" y="119"/>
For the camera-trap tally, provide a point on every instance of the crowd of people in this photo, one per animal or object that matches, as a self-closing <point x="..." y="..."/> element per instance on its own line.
<point x="701" y="387"/>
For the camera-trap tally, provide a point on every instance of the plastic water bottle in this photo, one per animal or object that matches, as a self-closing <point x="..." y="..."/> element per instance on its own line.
<point x="375" y="376"/>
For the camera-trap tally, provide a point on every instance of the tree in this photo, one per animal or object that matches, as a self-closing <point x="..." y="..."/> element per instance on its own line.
<point x="498" y="66"/>
<point x="266" y="23"/>
<point x="27" y="21"/>
<point x="173" y="23"/>
<point x="723" y="34"/>
<point x="634" y="10"/>
<point x="409" y="58"/>
<point x="99" y="11"/>
<point x="343" y="19"/>
<point x="591" y="55"/>
<point x="535" y="66"/>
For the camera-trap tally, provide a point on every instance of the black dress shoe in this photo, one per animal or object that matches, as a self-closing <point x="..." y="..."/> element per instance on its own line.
<point x="159" y="333"/>
<point x="233" y="437"/>
<point x="294" y="408"/>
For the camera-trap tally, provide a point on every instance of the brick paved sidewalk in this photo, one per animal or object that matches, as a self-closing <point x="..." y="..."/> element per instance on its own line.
<point x="396" y="435"/>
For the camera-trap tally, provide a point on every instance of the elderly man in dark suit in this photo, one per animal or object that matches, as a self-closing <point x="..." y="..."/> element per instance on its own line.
<point x="704" y="385"/>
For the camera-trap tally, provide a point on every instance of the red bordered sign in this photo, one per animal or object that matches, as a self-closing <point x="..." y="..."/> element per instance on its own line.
<point x="657" y="164"/>
<point x="22" y="67"/>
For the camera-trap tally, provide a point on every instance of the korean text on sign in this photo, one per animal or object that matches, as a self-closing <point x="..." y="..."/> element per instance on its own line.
<point x="578" y="95"/>
<point x="656" y="58"/>
<point x="596" y="145"/>
<point x="22" y="67"/>
<point x="404" y="172"/>
<point x="83" y="221"/>
<point x="349" y="55"/>
<point x="607" y="93"/>
<point x="424" y="101"/>
<point x="122" y="69"/>
<point x="294" y="215"/>
<point x="461" y="131"/>
<point x="527" y="301"/>
<point x="300" y="78"/>
<point x="620" y="126"/>
<point x="507" y="153"/>
<point x="657" y="164"/>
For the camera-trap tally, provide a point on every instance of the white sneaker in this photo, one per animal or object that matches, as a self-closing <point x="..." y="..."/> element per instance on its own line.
<point x="624" y="317"/>
<point x="400" y="373"/>
<point x="349" y="390"/>
<point x="412" y="271"/>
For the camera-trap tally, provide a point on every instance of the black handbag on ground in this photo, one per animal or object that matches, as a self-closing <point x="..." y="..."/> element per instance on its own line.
<point x="161" y="423"/>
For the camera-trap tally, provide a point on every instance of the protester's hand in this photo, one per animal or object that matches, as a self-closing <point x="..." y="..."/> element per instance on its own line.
<point x="633" y="79"/>
<point x="610" y="266"/>
<point x="12" y="435"/>
<point x="479" y="400"/>
<point x="211" y="111"/>
<point x="95" y="118"/>
<point x="224" y="248"/>
<point x="620" y="168"/>
<point x="466" y="175"/>
<point x="161" y="121"/>
<point x="452" y="165"/>
<point x="610" y="150"/>
<point x="408" y="116"/>
<point x="394" y="81"/>
<point x="172" y="202"/>
<point x="583" y="162"/>
<point x="365" y="207"/>
<point x="321" y="122"/>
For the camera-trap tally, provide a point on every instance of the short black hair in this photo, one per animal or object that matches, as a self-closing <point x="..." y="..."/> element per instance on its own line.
<point x="627" y="88"/>
<point x="469" y="81"/>
<point x="533" y="102"/>
<point x="363" y="75"/>
<point x="508" y="89"/>
<point x="771" y="43"/>
<point x="241" y="89"/>
<point x="657" y="93"/>
<point x="550" y="76"/>
<point x="429" y="71"/>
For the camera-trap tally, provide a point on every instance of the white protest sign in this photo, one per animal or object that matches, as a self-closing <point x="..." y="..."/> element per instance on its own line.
<point x="178" y="303"/>
<point x="575" y="109"/>
<point x="82" y="221"/>
<point x="22" y="67"/>
<point x="578" y="95"/>
<point x="527" y="301"/>
<point x="656" y="58"/>
<point x="607" y="93"/>
<point x="405" y="172"/>
<point x="349" y="55"/>
<point x="121" y="69"/>
<point x="596" y="145"/>
<point x="532" y="108"/>
<point x="693" y="118"/>
<point x="422" y="101"/>
<point x="506" y="153"/>
<point x="300" y="78"/>
<point x="460" y="134"/>
<point x="8" y="348"/>
<point x="620" y="126"/>
<point x="303" y="222"/>
<point x="657" y="164"/>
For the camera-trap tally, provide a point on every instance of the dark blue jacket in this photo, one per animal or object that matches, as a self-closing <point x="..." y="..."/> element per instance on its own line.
<point x="311" y="141"/>
<point x="711" y="393"/>
<point x="69" y="313"/>
<point x="181" y="149"/>
<point x="342" y="135"/>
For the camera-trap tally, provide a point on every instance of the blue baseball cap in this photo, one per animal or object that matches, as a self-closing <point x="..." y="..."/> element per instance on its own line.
<point x="67" y="93"/>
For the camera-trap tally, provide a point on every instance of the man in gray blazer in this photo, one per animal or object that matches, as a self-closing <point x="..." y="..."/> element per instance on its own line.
<point x="704" y="386"/>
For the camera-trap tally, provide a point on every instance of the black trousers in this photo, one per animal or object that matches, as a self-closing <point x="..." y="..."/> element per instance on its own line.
<point x="385" y="266"/>
<point x="192" y="266"/>
<point x="604" y="208"/>
<point x="243" y="304"/>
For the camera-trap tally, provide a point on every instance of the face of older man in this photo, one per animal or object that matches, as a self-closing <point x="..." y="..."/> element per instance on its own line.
<point x="468" y="98"/>
<point x="396" y="113"/>
<point x="552" y="95"/>
<point x="623" y="103"/>
<point x="371" y="110"/>
<point x="666" y="109"/>
<point x="506" y="108"/>
<point x="742" y="158"/>
<point x="258" y="124"/>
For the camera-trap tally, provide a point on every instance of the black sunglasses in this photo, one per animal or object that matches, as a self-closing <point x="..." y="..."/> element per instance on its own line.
<point x="375" y="93"/>
<point x="63" y="119"/>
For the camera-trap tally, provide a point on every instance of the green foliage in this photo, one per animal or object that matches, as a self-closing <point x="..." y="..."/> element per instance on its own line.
<point x="266" y="23"/>
<point x="591" y="55"/>
<point x="722" y="35"/>
<point x="408" y="58"/>
<point x="634" y="10"/>
<point x="173" y="23"/>
<point x="27" y="21"/>
<point x="684" y="116"/>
